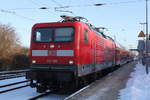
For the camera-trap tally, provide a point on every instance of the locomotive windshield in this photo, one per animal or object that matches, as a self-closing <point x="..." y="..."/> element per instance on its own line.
<point x="60" y="34"/>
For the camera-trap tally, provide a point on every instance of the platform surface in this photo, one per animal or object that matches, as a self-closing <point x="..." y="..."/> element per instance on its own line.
<point x="108" y="87"/>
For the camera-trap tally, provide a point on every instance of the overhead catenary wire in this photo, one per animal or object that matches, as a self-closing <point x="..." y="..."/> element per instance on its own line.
<point x="35" y="3"/>
<point x="57" y="3"/>
<point x="59" y="6"/>
<point x="69" y="6"/>
<point x="62" y="8"/>
<point x="24" y="8"/>
<point x="25" y="17"/>
<point x="99" y="4"/>
<point x="14" y="13"/>
<point x="7" y="11"/>
<point x="38" y="3"/>
<point x="125" y="2"/>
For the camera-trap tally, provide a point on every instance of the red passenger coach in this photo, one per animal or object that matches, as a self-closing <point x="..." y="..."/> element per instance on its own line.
<point x="63" y="53"/>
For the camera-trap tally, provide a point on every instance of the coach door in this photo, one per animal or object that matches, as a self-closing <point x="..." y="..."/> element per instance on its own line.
<point x="93" y="56"/>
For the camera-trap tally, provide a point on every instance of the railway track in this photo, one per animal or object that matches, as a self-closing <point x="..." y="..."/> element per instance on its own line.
<point x="41" y="95"/>
<point x="75" y="93"/>
<point x="57" y="93"/>
<point x="48" y="95"/>
<point x="69" y="95"/>
<point x="3" y="90"/>
<point x="12" y="74"/>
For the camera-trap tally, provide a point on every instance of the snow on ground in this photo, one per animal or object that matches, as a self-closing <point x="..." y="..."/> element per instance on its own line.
<point x="12" y="86"/>
<point x="138" y="86"/>
<point x="53" y="97"/>
<point x="13" y="80"/>
<point x="26" y="93"/>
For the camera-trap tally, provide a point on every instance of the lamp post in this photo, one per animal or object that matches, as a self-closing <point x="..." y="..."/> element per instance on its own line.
<point x="143" y="24"/>
<point x="146" y="37"/>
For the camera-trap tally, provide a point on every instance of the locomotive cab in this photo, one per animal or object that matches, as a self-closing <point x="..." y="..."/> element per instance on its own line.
<point x="53" y="54"/>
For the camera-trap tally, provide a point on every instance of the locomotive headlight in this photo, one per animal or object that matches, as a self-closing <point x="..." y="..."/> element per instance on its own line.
<point x="33" y="61"/>
<point x="52" y="46"/>
<point x="71" y="62"/>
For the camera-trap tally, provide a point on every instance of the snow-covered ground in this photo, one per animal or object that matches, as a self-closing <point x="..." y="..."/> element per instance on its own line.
<point x="138" y="86"/>
<point x="24" y="93"/>
<point x="27" y="93"/>
<point x="13" y="80"/>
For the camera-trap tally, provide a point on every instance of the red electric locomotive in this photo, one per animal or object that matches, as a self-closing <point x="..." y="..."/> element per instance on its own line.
<point x="63" y="53"/>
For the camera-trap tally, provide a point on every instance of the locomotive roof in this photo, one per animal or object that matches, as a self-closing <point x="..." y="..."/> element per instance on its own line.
<point x="95" y="29"/>
<point x="71" y="19"/>
<point x="76" y="19"/>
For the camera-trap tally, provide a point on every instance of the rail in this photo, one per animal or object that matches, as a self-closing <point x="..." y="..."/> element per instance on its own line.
<point x="12" y="84"/>
<point x="41" y="95"/>
<point x="13" y="71"/>
<point x="12" y="74"/>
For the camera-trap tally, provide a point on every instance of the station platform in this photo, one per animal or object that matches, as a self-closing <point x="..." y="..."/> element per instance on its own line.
<point x="109" y="86"/>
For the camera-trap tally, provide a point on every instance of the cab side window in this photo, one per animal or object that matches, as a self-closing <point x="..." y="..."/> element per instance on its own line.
<point x="86" y="36"/>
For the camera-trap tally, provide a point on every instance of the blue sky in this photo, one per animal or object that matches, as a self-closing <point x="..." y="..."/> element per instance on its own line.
<point x="120" y="17"/>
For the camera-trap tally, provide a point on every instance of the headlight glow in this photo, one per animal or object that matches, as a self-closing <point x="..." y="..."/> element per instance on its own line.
<point x="33" y="61"/>
<point x="71" y="62"/>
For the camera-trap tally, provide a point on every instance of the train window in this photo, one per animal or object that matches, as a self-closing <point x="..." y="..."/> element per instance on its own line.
<point x="63" y="34"/>
<point x="43" y="35"/>
<point x="86" y="36"/>
<point x="59" y="34"/>
<point x="38" y="36"/>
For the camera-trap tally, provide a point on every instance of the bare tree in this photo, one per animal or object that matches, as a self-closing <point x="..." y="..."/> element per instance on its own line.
<point x="9" y="44"/>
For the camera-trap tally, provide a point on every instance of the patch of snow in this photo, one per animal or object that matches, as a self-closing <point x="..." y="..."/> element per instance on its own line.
<point x="27" y="93"/>
<point x="23" y="93"/>
<point x="53" y="97"/>
<point x="13" y="80"/>
<point x="19" y="94"/>
<point x="138" y="86"/>
<point x="12" y="86"/>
